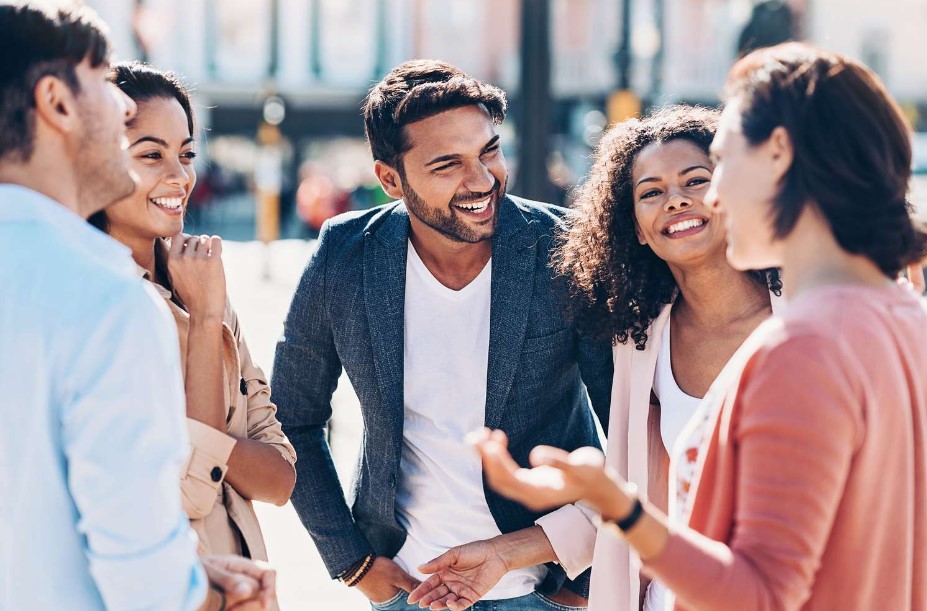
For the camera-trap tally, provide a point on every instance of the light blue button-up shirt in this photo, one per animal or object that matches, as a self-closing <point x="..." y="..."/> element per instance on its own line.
<point x="92" y="438"/>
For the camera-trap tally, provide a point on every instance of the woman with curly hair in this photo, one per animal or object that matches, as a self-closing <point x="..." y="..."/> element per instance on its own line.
<point x="646" y="260"/>
<point x="811" y="482"/>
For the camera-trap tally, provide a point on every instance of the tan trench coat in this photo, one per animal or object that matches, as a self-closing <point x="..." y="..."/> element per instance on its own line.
<point x="224" y="520"/>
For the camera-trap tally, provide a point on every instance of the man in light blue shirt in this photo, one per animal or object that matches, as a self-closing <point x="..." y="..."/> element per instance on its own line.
<point x="93" y="434"/>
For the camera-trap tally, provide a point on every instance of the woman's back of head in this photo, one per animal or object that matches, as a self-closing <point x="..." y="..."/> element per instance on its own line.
<point x="852" y="148"/>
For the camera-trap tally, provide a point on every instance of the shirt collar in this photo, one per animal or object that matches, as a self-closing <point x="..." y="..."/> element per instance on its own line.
<point x="21" y="204"/>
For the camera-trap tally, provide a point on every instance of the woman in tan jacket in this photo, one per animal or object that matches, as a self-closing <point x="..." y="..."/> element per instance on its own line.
<point x="239" y="452"/>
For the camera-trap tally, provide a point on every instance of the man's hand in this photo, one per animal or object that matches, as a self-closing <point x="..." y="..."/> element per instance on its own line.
<point x="460" y="576"/>
<point x="384" y="580"/>
<point x="248" y="585"/>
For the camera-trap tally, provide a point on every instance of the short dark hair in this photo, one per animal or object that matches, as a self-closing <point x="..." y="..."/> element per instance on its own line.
<point x="142" y="82"/>
<point x="619" y="286"/>
<point x="852" y="148"/>
<point x="35" y="43"/>
<point x="416" y="90"/>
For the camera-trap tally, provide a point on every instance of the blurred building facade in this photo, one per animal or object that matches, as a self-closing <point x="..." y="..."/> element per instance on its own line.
<point x="887" y="35"/>
<point x="701" y="42"/>
<point x="321" y="56"/>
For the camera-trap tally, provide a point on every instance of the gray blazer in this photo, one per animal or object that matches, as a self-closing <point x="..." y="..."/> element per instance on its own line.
<point x="348" y="312"/>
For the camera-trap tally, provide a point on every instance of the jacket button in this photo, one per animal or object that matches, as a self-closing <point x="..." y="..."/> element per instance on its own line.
<point x="243" y="387"/>
<point x="216" y="474"/>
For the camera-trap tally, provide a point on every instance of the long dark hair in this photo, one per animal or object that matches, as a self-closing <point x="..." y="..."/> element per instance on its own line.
<point x="619" y="286"/>
<point x="142" y="82"/>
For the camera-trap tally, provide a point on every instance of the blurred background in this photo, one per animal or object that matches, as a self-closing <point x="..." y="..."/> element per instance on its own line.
<point x="278" y="83"/>
<point x="278" y="86"/>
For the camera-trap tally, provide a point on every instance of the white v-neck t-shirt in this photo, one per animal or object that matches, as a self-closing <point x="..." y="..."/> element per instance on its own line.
<point x="440" y="499"/>
<point x="676" y="407"/>
<point x="676" y="410"/>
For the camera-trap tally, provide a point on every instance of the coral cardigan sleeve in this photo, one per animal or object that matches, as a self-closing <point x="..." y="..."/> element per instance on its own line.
<point x="797" y="425"/>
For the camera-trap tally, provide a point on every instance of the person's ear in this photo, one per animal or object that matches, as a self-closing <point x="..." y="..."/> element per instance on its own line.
<point x="781" y="151"/>
<point x="56" y="105"/>
<point x="389" y="179"/>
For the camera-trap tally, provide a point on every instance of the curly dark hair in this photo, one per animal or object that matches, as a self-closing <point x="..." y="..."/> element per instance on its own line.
<point x="618" y="286"/>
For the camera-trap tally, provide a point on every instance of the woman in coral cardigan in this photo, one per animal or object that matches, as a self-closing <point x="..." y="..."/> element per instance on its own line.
<point x="811" y="487"/>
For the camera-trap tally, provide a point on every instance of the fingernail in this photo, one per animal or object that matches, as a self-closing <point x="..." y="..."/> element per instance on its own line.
<point x="242" y="588"/>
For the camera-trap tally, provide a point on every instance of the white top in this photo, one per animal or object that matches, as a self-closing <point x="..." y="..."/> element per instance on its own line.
<point x="676" y="409"/>
<point x="684" y="455"/>
<point x="93" y="438"/>
<point x="440" y="499"/>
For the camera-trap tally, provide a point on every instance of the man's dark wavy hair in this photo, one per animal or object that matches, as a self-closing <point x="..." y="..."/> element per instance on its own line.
<point x="35" y="43"/>
<point x="416" y="90"/>
<point x="619" y="286"/>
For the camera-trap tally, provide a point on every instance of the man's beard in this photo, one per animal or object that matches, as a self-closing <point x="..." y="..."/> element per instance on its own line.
<point x="102" y="168"/>
<point x="449" y="224"/>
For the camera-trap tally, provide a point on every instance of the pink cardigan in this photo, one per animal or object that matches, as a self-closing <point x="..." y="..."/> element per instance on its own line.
<point x="812" y="491"/>
<point x="615" y="582"/>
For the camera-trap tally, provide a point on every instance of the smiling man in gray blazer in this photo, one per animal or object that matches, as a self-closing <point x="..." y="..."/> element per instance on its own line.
<point x="444" y="312"/>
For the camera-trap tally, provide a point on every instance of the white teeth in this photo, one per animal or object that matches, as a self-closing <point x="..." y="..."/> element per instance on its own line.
<point x="171" y="203"/>
<point x="683" y="225"/>
<point x="476" y="207"/>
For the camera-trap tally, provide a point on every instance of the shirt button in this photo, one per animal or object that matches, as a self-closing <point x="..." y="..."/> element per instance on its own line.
<point x="216" y="474"/>
<point x="243" y="387"/>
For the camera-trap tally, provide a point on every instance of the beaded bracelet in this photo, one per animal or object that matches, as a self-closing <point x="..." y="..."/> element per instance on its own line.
<point x="356" y="571"/>
<point x="368" y="564"/>
<point x="348" y="572"/>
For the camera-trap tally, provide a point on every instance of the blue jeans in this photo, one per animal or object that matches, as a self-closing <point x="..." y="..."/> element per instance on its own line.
<point x="528" y="602"/>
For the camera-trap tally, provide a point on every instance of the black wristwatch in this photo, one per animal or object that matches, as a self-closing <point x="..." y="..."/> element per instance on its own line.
<point x="628" y="522"/>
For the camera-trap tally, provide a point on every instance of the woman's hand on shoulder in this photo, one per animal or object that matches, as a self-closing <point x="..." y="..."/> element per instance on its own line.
<point x="197" y="274"/>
